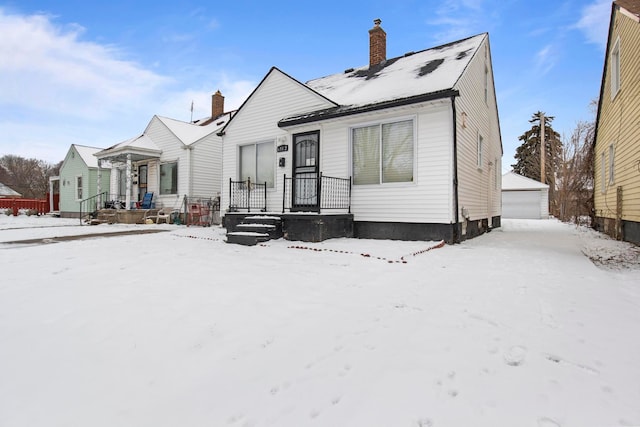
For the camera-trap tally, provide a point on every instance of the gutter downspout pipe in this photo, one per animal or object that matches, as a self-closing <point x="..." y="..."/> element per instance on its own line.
<point x="456" y="226"/>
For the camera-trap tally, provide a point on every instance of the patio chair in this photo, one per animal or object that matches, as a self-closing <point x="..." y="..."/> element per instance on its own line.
<point x="146" y="202"/>
<point x="164" y="214"/>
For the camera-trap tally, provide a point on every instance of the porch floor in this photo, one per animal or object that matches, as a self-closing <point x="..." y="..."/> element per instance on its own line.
<point x="123" y="216"/>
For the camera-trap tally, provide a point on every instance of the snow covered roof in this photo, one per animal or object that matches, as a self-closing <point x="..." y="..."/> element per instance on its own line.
<point x="189" y="133"/>
<point x="138" y="146"/>
<point x="513" y="181"/>
<point x="416" y="76"/>
<point x="87" y="154"/>
<point x="8" y="192"/>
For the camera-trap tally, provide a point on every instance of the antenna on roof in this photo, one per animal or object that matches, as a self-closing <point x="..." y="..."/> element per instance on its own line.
<point x="191" y="111"/>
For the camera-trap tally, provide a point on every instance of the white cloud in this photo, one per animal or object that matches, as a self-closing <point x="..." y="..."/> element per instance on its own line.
<point x="545" y="59"/>
<point x="49" y="68"/>
<point x="59" y="89"/>
<point x="460" y="19"/>
<point x="594" y="22"/>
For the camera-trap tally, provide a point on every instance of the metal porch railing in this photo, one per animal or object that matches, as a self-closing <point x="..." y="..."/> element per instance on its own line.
<point x="92" y="204"/>
<point x="247" y="195"/>
<point x="316" y="193"/>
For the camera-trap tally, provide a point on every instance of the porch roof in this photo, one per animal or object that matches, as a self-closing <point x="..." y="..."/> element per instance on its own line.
<point x="140" y="148"/>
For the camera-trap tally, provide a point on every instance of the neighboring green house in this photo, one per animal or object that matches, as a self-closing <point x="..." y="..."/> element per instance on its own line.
<point x="79" y="178"/>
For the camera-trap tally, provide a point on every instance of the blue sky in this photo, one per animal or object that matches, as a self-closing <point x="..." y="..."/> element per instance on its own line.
<point x="94" y="73"/>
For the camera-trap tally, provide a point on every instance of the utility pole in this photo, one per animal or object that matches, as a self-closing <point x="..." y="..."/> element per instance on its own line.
<point x="542" y="150"/>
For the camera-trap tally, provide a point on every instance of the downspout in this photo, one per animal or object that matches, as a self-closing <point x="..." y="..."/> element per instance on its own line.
<point x="456" y="227"/>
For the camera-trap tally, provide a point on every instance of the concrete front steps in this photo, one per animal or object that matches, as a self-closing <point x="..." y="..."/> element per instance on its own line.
<point x="255" y="229"/>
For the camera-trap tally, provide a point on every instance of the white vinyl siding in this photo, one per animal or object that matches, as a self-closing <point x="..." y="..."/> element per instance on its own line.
<point x="477" y="193"/>
<point x="277" y="96"/>
<point x="426" y="199"/>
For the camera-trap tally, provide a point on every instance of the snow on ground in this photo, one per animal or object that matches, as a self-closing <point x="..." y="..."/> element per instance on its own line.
<point x="514" y="328"/>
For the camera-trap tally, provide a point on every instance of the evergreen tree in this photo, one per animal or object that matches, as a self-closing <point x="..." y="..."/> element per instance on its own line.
<point x="528" y="154"/>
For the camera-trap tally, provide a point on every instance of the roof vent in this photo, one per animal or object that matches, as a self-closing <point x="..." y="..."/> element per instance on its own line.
<point x="409" y="53"/>
<point x="348" y="70"/>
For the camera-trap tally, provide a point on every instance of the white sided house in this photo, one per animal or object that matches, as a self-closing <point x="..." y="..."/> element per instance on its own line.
<point x="524" y="198"/>
<point x="171" y="159"/>
<point x="404" y="148"/>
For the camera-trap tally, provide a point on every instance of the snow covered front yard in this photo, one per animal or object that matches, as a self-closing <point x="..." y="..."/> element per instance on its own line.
<point x="514" y="328"/>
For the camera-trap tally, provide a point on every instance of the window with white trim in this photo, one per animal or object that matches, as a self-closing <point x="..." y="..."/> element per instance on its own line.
<point x="603" y="173"/>
<point x="615" y="68"/>
<point x="79" y="187"/>
<point x="383" y="153"/>
<point x="479" y="153"/>
<point x="257" y="162"/>
<point x="611" y="164"/>
<point x="169" y="178"/>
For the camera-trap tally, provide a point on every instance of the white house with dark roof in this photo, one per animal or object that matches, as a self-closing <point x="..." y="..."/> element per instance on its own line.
<point x="171" y="159"/>
<point x="416" y="138"/>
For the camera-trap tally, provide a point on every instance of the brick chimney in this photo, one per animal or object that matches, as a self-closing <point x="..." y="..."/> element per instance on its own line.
<point x="377" y="44"/>
<point x="217" y="105"/>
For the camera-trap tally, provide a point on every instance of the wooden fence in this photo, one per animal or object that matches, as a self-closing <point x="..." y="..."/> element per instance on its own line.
<point x="39" y="205"/>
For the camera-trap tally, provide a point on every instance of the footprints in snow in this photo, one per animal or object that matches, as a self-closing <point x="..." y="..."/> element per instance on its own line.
<point x="515" y="356"/>
<point x="448" y="384"/>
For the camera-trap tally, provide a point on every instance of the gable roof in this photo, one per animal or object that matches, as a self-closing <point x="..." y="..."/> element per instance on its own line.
<point x="189" y="133"/>
<point x="251" y="95"/>
<point x="631" y="6"/>
<point x="8" y="192"/>
<point x="413" y="77"/>
<point x="140" y="145"/>
<point x="514" y="181"/>
<point x="87" y="154"/>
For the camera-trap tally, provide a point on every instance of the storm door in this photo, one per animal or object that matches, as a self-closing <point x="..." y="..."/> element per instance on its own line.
<point x="142" y="181"/>
<point x="306" y="170"/>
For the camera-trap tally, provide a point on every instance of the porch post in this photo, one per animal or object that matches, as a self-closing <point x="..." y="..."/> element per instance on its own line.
<point x="128" y="181"/>
<point x="99" y="185"/>
<point x="51" y="193"/>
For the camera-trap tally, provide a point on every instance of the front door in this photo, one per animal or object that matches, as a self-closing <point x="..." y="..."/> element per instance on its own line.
<point x="142" y="181"/>
<point x="306" y="170"/>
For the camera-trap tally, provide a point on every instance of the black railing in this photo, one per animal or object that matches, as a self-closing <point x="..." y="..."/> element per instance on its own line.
<point x="92" y="204"/>
<point x="247" y="195"/>
<point x="314" y="194"/>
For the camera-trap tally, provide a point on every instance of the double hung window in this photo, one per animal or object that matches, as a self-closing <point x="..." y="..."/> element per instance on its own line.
<point x="383" y="153"/>
<point x="257" y="162"/>
<point x="169" y="178"/>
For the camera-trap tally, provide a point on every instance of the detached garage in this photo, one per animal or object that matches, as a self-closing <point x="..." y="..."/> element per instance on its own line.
<point x="524" y="198"/>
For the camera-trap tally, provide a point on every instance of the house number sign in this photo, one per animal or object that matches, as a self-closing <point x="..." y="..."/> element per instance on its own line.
<point x="282" y="148"/>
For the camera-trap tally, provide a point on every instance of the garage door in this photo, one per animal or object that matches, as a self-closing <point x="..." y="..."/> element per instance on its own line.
<point x="521" y="204"/>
